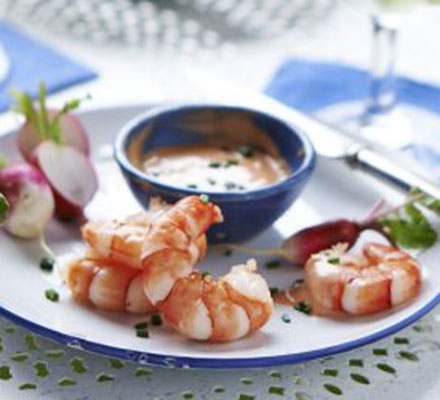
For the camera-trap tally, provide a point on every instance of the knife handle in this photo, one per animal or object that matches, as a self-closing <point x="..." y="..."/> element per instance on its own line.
<point x="381" y="166"/>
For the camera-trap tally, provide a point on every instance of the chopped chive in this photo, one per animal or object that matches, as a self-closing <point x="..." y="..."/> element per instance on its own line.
<point x="116" y="364"/>
<point x="329" y="372"/>
<point x="188" y="395"/>
<point x="214" y="165"/>
<point x="245" y="396"/>
<point x="303" y="307"/>
<point x="31" y="342"/>
<point x="41" y="369"/>
<point x="212" y="181"/>
<point x="66" y="381"/>
<point x="27" y="386"/>
<point x="52" y="295"/>
<point x="279" y="390"/>
<point x="227" y="253"/>
<point x="141" y="325"/>
<point x="78" y="366"/>
<point x="230" y="163"/>
<point x="380" y="352"/>
<point x="401" y="340"/>
<point x="19" y="356"/>
<point x="360" y="379"/>
<point x="10" y="329"/>
<point x="241" y="187"/>
<point x="230" y="185"/>
<point x="142" y="334"/>
<point x="245" y="151"/>
<point x="104" y="378"/>
<point x="273" y="264"/>
<point x="141" y="371"/>
<point x="191" y="186"/>
<point x="55" y="354"/>
<point x="408" y="356"/>
<point x="302" y="396"/>
<point x="422" y="328"/>
<point x="47" y="264"/>
<point x="156" y="320"/>
<point x="246" y="381"/>
<point x="335" y="260"/>
<point x="386" y="368"/>
<point x="275" y="374"/>
<point x="204" y="198"/>
<point x="333" y="389"/>
<point x="274" y="290"/>
<point x="286" y="318"/>
<point x="204" y="274"/>
<point x="5" y="373"/>
<point x="218" y="389"/>
<point x="355" y="362"/>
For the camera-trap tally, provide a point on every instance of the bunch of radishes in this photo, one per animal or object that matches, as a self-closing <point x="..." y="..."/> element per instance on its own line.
<point x="57" y="175"/>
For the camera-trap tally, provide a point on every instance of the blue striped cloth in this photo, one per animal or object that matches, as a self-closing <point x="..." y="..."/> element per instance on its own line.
<point x="32" y="62"/>
<point x="309" y="86"/>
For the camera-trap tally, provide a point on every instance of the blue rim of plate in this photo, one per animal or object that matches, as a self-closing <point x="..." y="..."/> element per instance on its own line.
<point x="172" y="361"/>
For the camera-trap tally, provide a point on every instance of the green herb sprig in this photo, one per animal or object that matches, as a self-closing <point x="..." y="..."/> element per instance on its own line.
<point x="4" y="208"/>
<point x="47" y="127"/>
<point x="408" y="226"/>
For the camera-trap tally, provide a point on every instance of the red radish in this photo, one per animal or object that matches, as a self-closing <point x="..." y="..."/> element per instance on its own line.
<point x="300" y="246"/>
<point x="30" y="198"/>
<point x="43" y="124"/>
<point x="70" y="174"/>
<point x="74" y="135"/>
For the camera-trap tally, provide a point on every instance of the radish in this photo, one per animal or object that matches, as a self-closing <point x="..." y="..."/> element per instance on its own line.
<point x="73" y="133"/>
<point x="42" y="124"/>
<point x="415" y="230"/>
<point x="30" y="198"/>
<point x="70" y="174"/>
<point x="299" y="247"/>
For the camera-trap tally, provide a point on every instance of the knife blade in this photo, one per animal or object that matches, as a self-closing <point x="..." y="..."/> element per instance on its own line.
<point x="327" y="140"/>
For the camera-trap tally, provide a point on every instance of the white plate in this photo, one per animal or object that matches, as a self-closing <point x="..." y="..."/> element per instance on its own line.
<point x="334" y="191"/>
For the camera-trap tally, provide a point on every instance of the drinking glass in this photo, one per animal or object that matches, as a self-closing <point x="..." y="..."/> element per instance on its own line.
<point x="379" y="118"/>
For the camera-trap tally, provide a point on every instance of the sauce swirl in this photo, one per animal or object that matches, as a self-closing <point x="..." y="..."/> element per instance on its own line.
<point x="216" y="166"/>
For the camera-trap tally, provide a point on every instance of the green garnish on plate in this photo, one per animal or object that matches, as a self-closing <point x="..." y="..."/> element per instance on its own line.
<point x="52" y="295"/>
<point x="4" y="208"/>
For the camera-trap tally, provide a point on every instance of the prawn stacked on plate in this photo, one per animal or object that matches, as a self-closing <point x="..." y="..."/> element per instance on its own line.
<point x="338" y="283"/>
<point x="146" y="263"/>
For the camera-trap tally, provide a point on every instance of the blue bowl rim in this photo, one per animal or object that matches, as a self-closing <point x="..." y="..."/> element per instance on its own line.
<point x="126" y="131"/>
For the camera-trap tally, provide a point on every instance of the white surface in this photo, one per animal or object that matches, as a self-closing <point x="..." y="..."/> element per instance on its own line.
<point x="22" y="287"/>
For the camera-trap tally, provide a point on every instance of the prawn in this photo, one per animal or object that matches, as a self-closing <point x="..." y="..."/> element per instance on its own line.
<point x="113" y="287"/>
<point x="107" y="287"/>
<point x="131" y="242"/>
<point x="238" y="304"/>
<point x="381" y="278"/>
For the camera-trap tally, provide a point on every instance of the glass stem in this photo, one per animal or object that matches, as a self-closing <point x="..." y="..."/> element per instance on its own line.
<point x="382" y="87"/>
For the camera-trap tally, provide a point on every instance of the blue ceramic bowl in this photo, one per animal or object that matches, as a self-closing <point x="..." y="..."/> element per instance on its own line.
<point x="246" y="213"/>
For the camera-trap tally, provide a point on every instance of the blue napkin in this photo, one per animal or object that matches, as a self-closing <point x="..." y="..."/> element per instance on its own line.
<point x="309" y="86"/>
<point x="32" y="62"/>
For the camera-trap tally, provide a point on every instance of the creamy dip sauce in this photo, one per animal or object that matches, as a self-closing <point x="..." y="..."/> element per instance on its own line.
<point x="216" y="166"/>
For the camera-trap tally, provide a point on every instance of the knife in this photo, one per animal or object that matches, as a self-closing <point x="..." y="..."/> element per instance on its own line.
<point x="328" y="141"/>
